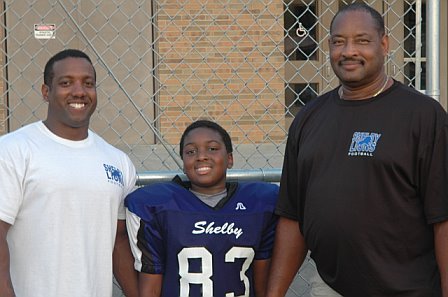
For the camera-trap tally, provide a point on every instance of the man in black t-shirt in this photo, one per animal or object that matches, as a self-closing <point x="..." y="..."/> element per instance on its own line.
<point x="364" y="182"/>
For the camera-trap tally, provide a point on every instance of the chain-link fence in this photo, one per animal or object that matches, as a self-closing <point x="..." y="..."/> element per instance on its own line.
<point x="249" y="65"/>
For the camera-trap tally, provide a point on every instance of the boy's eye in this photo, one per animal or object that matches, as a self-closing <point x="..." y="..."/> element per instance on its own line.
<point x="190" y="152"/>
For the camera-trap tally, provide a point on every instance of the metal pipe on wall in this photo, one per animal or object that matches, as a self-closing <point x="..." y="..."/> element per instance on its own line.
<point x="433" y="50"/>
<point x="267" y="175"/>
<point x="418" y="44"/>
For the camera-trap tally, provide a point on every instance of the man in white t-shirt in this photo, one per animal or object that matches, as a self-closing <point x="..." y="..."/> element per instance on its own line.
<point x="62" y="228"/>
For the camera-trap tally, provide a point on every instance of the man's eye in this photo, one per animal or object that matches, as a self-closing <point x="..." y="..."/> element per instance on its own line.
<point x="363" y="41"/>
<point x="337" y="42"/>
<point x="64" y="83"/>
<point x="90" y="84"/>
<point x="213" y="148"/>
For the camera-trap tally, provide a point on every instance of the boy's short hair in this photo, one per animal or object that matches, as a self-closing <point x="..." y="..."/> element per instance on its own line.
<point x="211" y="125"/>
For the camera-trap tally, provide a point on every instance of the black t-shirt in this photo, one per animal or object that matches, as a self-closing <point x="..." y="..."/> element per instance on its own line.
<point x="366" y="180"/>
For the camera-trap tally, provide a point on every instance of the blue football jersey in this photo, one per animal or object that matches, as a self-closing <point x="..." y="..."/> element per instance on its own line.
<point x="200" y="250"/>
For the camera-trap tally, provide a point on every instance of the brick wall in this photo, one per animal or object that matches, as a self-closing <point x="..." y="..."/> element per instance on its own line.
<point x="229" y="61"/>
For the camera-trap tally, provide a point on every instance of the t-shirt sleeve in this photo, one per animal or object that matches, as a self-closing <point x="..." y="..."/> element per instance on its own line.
<point x="11" y="197"/>
<point x="434" y="174"/>
<point x="130" y="186"/>
<point x="287" y="204"/>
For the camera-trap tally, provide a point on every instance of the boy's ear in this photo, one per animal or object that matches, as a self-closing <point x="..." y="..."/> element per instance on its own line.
<point x="229" y="160"/>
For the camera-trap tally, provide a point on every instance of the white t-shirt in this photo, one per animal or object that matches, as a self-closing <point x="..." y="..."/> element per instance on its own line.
<point x="63" y="199"/>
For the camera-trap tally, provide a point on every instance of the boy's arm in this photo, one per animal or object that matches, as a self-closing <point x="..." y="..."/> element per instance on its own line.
<point x="6" y="289"/>
<point x="150" y="285"/>
<point x="261" y="271"/>
<point x="123" y="262"/>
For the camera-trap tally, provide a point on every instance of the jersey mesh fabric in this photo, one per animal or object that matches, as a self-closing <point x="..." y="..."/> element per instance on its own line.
<point x="198" y="248"/>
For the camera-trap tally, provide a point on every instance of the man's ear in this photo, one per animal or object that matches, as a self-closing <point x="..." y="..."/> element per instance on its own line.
<point x="44" y="90"/>
<point x="385" y="44"/>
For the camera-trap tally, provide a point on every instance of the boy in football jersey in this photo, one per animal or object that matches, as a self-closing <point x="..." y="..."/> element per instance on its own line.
<point x="205" y="237"/>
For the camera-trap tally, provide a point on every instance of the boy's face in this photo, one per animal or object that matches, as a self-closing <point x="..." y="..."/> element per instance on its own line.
<point x="206" y="160"/>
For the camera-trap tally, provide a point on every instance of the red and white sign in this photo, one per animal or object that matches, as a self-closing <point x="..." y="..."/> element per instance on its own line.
<point x="44" y="31"/>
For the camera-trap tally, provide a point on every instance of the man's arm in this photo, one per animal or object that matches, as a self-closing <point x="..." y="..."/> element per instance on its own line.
<point x="441" y="247"/>
<point x="6" y="289"/>
<point x="150" y="285"/>
<point x="289" y="253"/>
<point x="123" y="262"/>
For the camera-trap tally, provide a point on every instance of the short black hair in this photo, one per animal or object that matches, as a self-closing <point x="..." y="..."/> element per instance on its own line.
<point x="68" y="53"/>
<point x="210" y="125"/>
<point x="376" y="16"/>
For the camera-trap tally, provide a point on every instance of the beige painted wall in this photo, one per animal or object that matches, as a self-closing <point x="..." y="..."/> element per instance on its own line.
<point x="120" y="54"/>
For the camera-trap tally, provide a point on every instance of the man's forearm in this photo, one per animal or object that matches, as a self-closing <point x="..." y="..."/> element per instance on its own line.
<point x="125" y="274"/>
<point x="6" y="289"/>
<point x="289" y="253"/>
<point x="123" y="263"/>
<point x="441" y="247"/>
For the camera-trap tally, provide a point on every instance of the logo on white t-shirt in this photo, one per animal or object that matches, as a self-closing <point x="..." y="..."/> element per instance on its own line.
<point x="114" y="175"/>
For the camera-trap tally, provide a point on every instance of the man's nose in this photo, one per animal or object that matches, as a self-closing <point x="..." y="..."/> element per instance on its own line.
<point x="349" y="49"/>
<point x="78" y="89"/>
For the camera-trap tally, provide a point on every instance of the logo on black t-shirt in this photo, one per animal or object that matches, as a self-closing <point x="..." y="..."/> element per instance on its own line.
<point x="363" y="144"/>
